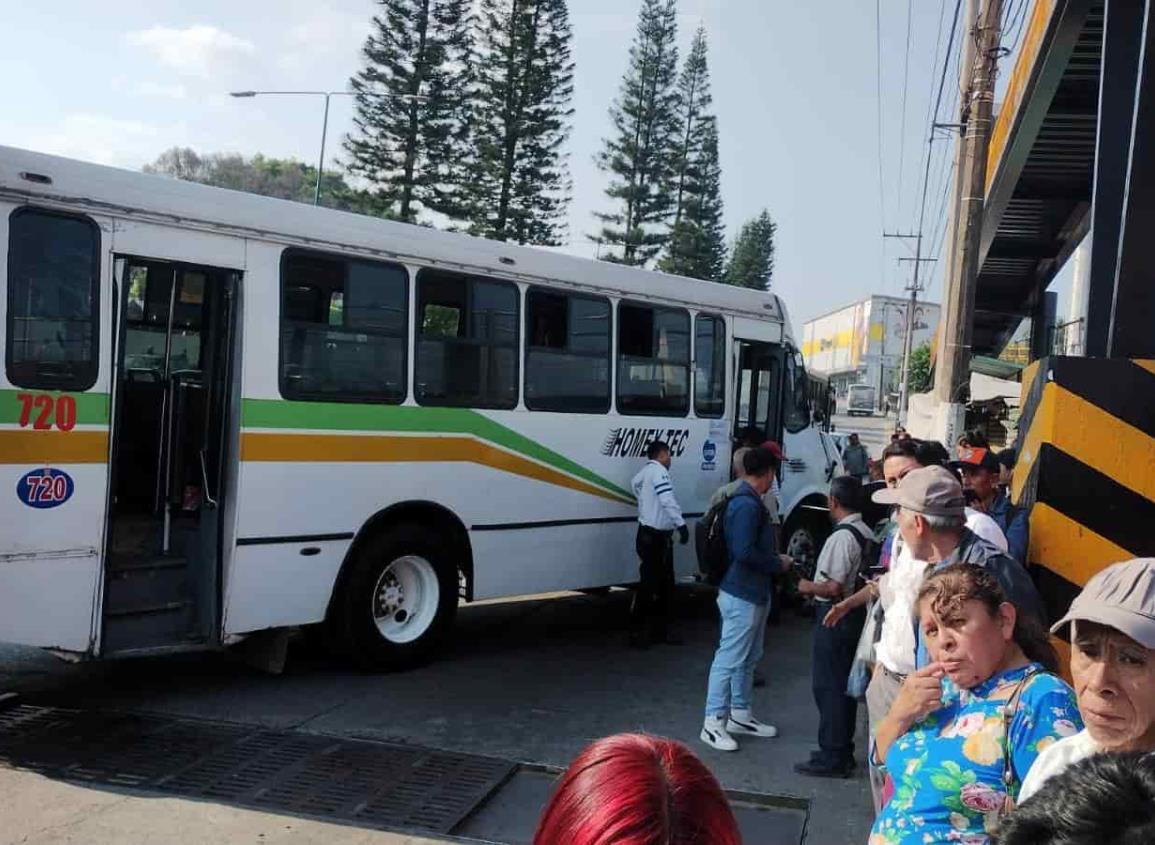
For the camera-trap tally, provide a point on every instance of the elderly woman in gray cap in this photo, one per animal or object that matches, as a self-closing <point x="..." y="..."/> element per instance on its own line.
<point x="1113" y="665"/>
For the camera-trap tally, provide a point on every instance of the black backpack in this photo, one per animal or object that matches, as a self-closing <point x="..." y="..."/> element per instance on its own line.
<point x="710" y="540"/>
<point x="871" y="554"/>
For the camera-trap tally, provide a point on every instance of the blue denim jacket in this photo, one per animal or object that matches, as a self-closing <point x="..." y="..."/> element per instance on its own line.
<point x="753" y="550"/>
<point x="1014" y="523"/>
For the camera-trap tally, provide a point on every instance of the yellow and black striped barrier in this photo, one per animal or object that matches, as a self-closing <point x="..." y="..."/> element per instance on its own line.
<point x="1086" y="468"/>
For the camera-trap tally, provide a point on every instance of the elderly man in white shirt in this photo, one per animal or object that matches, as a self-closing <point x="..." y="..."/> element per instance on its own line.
<point x="1112" y="633"/>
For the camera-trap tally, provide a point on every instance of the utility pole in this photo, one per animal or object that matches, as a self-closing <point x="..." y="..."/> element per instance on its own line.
<point x="914" y="287"/>
<point x="952" y="373"/>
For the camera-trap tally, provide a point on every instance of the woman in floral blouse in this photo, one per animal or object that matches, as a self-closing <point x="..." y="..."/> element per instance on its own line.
<point x="965" y="730"/>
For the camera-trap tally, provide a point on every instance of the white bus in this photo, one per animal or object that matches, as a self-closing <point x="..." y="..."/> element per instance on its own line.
<point x="222" y="414"/>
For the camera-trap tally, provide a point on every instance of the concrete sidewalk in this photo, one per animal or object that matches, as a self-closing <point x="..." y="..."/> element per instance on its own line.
<point x="35" y="810"/>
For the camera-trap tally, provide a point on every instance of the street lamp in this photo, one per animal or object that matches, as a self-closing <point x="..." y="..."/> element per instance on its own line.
<point x="325" y="120"/>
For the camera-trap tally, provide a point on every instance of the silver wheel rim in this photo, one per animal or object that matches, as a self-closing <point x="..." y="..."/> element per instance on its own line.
<point x="405" y="599"/>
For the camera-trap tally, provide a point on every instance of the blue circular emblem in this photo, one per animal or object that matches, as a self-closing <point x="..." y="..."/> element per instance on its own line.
<point x="45" y="488"/>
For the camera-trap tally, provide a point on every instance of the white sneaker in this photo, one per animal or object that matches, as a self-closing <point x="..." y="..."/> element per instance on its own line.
<point x="714" y="734"/>
<point x="743" y="722"/>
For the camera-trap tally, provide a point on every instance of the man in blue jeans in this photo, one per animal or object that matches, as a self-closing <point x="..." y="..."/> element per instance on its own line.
<point x="743" y="602"/>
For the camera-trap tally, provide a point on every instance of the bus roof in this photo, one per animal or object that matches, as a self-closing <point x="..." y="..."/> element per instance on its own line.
<point x="109" y="190"/>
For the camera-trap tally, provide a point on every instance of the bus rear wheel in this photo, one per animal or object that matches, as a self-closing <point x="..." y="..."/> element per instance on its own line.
<point x="398" y="600"/>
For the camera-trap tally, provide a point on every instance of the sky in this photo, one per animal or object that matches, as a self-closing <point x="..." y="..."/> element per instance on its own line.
<point x="794" y="84"/>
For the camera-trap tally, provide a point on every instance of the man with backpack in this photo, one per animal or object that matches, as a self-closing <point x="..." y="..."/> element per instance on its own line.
<point x="743" y="575"/>
<point x="847" y="555"/>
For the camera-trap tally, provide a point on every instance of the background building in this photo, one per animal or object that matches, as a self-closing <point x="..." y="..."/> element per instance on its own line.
<point x="862" y="343"/>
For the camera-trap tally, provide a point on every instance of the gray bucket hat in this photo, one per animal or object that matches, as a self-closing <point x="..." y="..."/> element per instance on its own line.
<point x="1122" y="597"/>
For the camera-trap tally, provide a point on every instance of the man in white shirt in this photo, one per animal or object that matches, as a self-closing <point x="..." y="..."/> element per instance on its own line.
<point x="659" y="516"/>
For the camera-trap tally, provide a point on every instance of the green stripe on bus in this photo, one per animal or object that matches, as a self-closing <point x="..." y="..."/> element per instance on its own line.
<point x="336" y="416"/>
<point x="91" y="408"/>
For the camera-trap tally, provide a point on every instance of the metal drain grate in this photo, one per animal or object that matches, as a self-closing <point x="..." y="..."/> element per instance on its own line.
<point x="360" y="782"/>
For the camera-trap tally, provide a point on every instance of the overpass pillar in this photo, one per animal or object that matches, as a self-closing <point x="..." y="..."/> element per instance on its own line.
<point x="1121" y="294"/>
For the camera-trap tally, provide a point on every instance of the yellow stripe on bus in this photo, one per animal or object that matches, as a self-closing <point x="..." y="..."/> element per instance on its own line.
<point x="326" y="448"/>
<point x="22" y="446"/>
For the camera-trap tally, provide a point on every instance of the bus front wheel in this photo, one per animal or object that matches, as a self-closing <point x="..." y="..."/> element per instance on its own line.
<point x="399" y="599"/>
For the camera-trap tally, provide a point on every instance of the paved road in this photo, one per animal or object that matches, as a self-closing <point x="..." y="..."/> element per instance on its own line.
<point x="874" y="432"/>
<point x="532" y="681"/>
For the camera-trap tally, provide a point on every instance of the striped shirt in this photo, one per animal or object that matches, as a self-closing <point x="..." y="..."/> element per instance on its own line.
<point x="657" y="507"/>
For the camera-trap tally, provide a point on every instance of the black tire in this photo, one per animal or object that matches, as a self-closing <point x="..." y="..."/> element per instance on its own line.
<point x="805" y="530"/>
<point x="355" y="606"/>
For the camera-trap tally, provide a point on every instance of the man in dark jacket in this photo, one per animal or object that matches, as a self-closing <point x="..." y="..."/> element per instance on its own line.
<point x="743" y="602"/>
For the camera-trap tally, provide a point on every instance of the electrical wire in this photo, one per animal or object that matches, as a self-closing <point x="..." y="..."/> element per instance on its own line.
<point x="902" y="122"/>
<point x="937" y="105"/>
<point x="878" y="102"/>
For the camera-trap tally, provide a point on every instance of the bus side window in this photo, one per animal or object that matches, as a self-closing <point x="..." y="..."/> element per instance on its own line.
<point x="709" y="366"/>
<point x="343" y="329"/>
<point x="796" y="413"/>
<point x="567" y="355"/>
<point x="653" y="360"/>
<point x="53" y="293"/>
<point x="467" y="344"/>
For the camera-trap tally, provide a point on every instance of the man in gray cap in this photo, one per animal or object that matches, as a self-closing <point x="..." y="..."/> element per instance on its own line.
<point x="1112" y="633"/>
<point x="932" y="519"/>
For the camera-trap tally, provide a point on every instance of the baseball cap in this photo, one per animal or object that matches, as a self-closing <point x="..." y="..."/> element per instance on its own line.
<point x="933" y="491"/>
<point x="774" y="449"/>
<point x="975" y="456"/>
<point x="1122" y="597"/>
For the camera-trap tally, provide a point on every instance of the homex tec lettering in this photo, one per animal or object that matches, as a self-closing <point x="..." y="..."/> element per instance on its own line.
<point x="633" y="442"/>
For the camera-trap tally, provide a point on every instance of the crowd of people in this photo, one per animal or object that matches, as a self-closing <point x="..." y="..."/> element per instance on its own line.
<point x="932" y="618"/>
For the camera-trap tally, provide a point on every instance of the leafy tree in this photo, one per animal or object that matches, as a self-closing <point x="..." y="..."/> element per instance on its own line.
<point x="640" y="157"/>
<point x="919" y="378"/>
<point x="697" y="245"/>
<point x="271" y="177"/>
<point x="752" y="258"/>
<point x="520" y="185"/>
<point x="410" y="133"/>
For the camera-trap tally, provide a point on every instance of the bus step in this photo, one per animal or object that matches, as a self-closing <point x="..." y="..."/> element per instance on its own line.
<point x="146" y="587"/>
<point x="146" y="610"/>
<point x="146" y="564"/>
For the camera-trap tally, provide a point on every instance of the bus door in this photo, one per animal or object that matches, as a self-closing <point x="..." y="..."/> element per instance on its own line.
<point x="758" y="414"/>
<point x="173" y="375"/>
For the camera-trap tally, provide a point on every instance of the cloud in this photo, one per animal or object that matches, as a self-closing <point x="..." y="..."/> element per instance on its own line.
<point x="99" y="138"/>
<point x="156" y="89"/>
<point x="195" y="51"/>
<point x="318" y="38"/>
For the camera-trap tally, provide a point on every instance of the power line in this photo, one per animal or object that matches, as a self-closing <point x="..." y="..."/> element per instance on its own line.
<point x="878" y="101"/>
<point x="902" y="123"/>
<point x="937" y="104"/>
<point x="1019" y="25"/>
<point x="931" y="117"/>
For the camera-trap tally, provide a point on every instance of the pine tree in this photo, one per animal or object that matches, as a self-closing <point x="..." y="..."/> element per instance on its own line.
<point x="641" y="156"/>
<point x="520" y="185"/>
<point x="697" y="242"/>
<point x="752" y="259"/>
<point x="411" y="121"/>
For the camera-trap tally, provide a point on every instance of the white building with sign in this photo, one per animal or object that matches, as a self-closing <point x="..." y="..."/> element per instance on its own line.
<point x="862" y="343"/>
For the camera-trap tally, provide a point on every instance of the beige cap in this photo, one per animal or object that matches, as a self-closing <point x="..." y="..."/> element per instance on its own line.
<point x="933" y="491"/>
<point x="1122" y="597"/>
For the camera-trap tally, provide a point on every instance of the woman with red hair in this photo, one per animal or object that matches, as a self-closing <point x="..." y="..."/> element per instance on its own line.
<point x="633" y="789"/>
